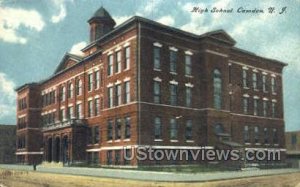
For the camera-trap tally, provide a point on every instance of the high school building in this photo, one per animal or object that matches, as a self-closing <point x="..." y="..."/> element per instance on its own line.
<point x="144" y="83"/>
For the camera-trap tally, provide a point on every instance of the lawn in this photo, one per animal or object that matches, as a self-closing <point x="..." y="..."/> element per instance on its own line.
<point x="9" y="178"/>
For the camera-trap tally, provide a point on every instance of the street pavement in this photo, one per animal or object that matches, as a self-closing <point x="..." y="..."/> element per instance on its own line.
<point x="151" y="175"/>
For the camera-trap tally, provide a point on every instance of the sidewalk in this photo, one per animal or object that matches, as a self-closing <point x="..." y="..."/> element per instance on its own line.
<point x="153" y="176"/>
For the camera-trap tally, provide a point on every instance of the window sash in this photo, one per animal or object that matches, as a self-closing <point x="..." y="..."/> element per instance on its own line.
<point x="110" y="97"/>
<point x="173" y="94"/>
<point x="188" y="130"/>
<point x="110" y="65"/>
<point x="97" y="106"/>
<point x="119" y="62"/>
<point x="127" y="127"/>
<point x="127" y="92"/>
<point x="118" y="95"/>
<point x="156" y="57"/>
<point x="188" y="65"/>
<point x="127" y="58"/>
<point x="157" y="128"/>
<point x="173" y="129"/>
<point x="173" y="61"/>
<point x="157" y="92"/>
<point x="97" y="79"/>
<point x="188" y="99"/>
<point x="90" y="108"/>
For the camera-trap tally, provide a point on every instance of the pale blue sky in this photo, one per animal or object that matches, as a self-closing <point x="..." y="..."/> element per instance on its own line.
<point x="34" y="36"/>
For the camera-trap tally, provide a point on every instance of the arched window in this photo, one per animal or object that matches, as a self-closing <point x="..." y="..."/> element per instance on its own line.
<point x="217" y="89"/>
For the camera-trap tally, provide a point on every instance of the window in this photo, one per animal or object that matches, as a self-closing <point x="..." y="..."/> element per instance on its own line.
<point x="275" y="136"/>
<point x="157" y="128"/>
<point x="97" y="106"/>
<point x="90" y="135"/>
<point x="173" y="129"/>
<point x="254" y="80"/>
<point x="273" y="85"/>
<point x="245" y="81"/>
<point x="96" y="134"/>
<point x="97" y="79"/>
<point x="127" y="128"/>
<point x="110" y="97"/>
<point x="70" y="90"/>
<point x="118" y="95"/>
<point x="188" y="96"/>
<point x="79" y="110"/>
<point x="78" y="87"/>
<point x="188" y="130"/>
<point x="127" y="58"/>
<point x="62" y="114"/>
<point x="96" y="157"/>
<point x="22" y="122"/>
<point x="109" y="130"/>
<point x="127" y="92"/>
<point x="156" y="94"/>
<point x="21" y="142"/>
<point x="255" y="105"/>
<point x="173" y="94"/>
<point x="173" y="61"/>
<point x="217" y="89"/>
<point x="156" y="57"/>
<point x="219" y="128"/>
<point x="188" y="65"/>
<point x="117" y="157"/>
<point x="119" y="62"/>
<point x="264" y="82"/>
<point x="70" y="112"/>
<point x="266" y="136"/>
<point x="90" y="108"/>
<point x="256" y="134"/>
<point x="109" y="157"/>
<point x="62" y="93"/>
<point x="273" y="109"/>
<point x="90" y="82"/>
<point x="265" y="108"/>
<point x="118" y="126"/>
<point x="110" y="65"/>
<point x="246" y="134"/>
<point x="22" y="103"/>
<point x="294" y="139"/>
<point x="245" y="105"/>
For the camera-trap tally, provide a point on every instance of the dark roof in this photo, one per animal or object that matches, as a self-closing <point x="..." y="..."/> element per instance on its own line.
<point x="213" y="34"/>
<point x="26" y="85"/>
<point x="102" y="14"/>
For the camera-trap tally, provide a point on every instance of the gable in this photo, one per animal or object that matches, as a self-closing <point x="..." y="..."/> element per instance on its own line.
<point x="223" y="36"/>
<point x="68" y="61"/>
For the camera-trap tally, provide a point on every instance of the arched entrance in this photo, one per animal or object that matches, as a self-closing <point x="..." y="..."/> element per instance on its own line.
<point x="57" y="149"/>
<point x="49" y="152"/>
<point x="65" y="149"/>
